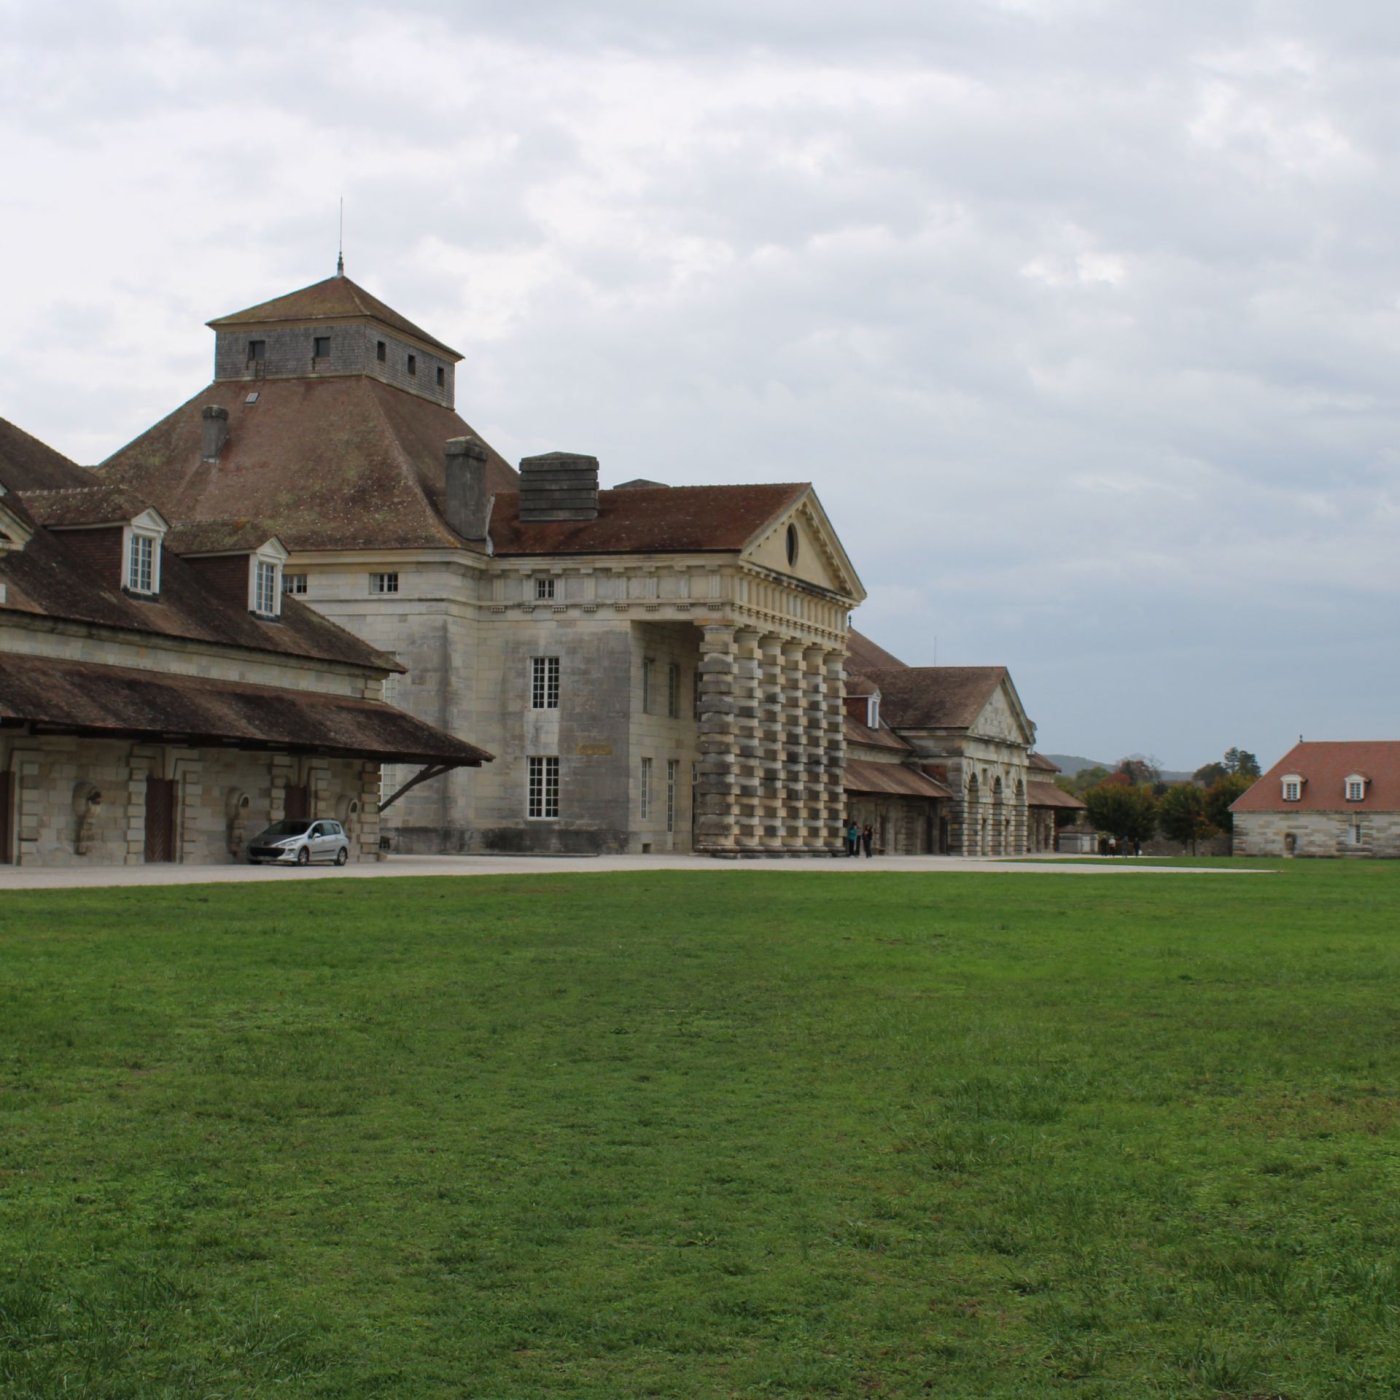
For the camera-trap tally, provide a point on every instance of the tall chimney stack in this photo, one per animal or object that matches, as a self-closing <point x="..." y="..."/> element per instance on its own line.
<point x="559" y="486"/>
<point x="215" y="432"/>
<point x="467" y="502"/>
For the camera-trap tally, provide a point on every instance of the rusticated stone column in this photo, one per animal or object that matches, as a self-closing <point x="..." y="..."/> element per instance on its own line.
<point x="716" y="826"/>
<point x="794" y="785"/>
<point x="772" y="745"/>
<point x="835" y="754"/>
<point x="814" y="749"/>
<point x="746" y="737"/>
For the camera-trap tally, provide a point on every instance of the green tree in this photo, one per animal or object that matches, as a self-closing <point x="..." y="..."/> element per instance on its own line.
<point x="1209" y="773"/>
<point x="1126" y="813"/>
<point x="1242" y="762"/>
<point x="1220" y="795"/>
<point x="1182" y="815"/>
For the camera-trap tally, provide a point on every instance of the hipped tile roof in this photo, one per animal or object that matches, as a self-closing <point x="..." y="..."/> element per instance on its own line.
<point x="338" y="463"/>
<point x="335" y="299"/>
<point x="26" y="464"/>
<point x="74" y="697"/>
<point x="1325" y="765"/>
<point x="678" y="519"/>
<point x="863" y="655"/>
<point x="1048" y="795"/>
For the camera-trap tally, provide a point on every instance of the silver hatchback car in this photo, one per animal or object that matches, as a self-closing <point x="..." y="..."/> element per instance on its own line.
<point x="299" y="842"/>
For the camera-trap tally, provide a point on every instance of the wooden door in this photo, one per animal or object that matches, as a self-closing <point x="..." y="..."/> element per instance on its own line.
<point x="160" y="820"/>
<point x="296" y="803"/>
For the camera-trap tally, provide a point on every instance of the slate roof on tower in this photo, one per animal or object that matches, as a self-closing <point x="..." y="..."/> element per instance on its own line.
<point x="335" y="299"/>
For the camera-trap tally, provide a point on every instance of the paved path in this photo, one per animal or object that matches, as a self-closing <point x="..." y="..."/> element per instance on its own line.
<point x="15" y="877"/>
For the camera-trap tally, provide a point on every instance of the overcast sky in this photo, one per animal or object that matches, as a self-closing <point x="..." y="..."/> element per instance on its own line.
<point x="1083" y="316"/>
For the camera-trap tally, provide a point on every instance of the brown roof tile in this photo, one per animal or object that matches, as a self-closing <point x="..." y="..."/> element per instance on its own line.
<point x="343" y="463"/>
<point x="882" y="738"/>
<point x="936" y="697"/>
<point x="79" y="697"/>
<point x="94" y="503"/>
<point x="46" y="579"/>
<point x="863" y="655"/>
<point x="678" y="519"/>
<point x="218" y="537"/>
<point x="1324" y="766"/>
<point x="1048" y="795"/>
<point x="1041" y="764"/>
<point x="891" y="778"/>
<point x="26" y="464"/>
<point x="335" y="299"/>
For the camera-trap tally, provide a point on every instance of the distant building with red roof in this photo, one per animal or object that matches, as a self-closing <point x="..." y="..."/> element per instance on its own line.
<point x="1324" y="798"/>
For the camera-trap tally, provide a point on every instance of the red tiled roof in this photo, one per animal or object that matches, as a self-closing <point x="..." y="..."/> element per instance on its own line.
<point x="26" y="464"/>
<point x="863" y="655"/>
<point x="935" y="697"/>
<point x="1048" y="795"/>
<point x="1324" y="766"/>
<point x="76" y="697"/>
<point x="891" y="778"/>
<point x="335" y="299"/>
<point x="679" y="519"/>
<point x="342" y="463"/>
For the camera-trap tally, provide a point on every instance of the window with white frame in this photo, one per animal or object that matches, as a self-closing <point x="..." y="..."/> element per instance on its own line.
<point x="384" y="583"/>
<point x="544" y="682"/>
<point x="646" y="789"/>
<point x="648" y="670"/>
<point x="872" y="710"/>
<point x="267" y="597"/>
<point x="293" y="583"/>
<point x="1356" y="787"/>
<point x="141" y="549"/>
<point x="1292" y="787"/>
<point x="544" y="589"/>
<point x="673" y="778"/>
<point x="542" y="788"/>
<point x="1356" y="832"/>
<point x="673" y="690"/>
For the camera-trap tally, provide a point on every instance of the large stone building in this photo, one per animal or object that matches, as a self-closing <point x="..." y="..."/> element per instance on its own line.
<point x="160" y="699"/>
<point x="655" y="668"/>
<point x="1324" y="798"/>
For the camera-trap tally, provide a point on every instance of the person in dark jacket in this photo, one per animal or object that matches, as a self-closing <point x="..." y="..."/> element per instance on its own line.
<point x="867" y="839"/>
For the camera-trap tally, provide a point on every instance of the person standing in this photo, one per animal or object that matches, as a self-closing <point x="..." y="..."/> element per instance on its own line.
<point x="853" y="838"/>
<point x="867" y="839"/>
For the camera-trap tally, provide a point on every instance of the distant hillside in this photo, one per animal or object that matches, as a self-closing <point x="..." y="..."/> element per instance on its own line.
<point x="1070" y="764"/>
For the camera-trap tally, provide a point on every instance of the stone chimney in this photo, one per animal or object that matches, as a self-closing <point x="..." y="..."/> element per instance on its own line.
<point x="558" y="486"/>
<point x="467" y="502"/>
<point x="215" y="432"/>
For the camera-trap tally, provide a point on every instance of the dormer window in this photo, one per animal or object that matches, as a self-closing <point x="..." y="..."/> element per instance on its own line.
<point x="265" y="580"/>
<point x="1356" y="787"/>
<point x="1292" y="787"/>
<point x="141" y="542"/>
<point x="872" y="710"/>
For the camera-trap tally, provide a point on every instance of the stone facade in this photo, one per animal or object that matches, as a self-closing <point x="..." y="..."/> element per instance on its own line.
<point x="1353" y="834"/>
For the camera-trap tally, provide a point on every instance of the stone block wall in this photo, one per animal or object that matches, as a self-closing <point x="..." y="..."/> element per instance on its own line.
<point x="1355" y="834"/>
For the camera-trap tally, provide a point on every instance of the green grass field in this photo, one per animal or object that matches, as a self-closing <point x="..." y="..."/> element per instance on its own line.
<point x="704" y="1135"/>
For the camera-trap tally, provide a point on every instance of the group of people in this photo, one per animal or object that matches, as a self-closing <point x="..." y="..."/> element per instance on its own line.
<point x="859" y="838"/>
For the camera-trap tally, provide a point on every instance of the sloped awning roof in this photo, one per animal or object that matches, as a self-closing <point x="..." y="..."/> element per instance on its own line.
<point x="75" y="697"/>
<point x="893" y="779"/>
<point x="1048" y="795"/>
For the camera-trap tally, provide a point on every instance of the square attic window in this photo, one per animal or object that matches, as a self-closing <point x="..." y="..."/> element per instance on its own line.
<point x="321" y="346"/>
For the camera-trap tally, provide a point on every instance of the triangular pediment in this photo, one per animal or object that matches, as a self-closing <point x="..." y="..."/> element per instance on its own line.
<point x="801" y="543"/>
<point x="1003" y="717"/>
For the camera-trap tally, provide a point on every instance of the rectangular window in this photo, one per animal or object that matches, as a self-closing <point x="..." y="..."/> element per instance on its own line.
<point x="542" y="800"/>
<point x="257" y="351"/>
<point x="648" y="668"/>
<point x="384" y="583"/>
<point x="1292" y="790"/>
<point x="380" y="351"/>
<point x="673" y="778"/>
<point x="265" y="589"/>
<point x="442" y="377"/>
<point x="673" y="690"/>
<point x="646" y="789"/>
<point x="321" y="346"/>
<point x="1356" y="789"/>
<point x="413" y="364"/>
<point x="544" y="682"/>
<point x="544" y="588"/>
<point x="140" y="576"/>
<point x="293" y="583"/>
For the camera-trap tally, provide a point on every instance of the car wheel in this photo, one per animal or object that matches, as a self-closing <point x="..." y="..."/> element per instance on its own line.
<point x="304" y="856"/>
<point x="341" y="856"/>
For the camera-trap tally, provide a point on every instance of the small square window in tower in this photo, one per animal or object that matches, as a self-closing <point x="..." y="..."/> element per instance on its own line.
<point x="413" y="364"/>
<point x="257" y="351"/>
<point x="441" y="377"/>
<point x="321" y="347"/>
<point x="381" y="351"/>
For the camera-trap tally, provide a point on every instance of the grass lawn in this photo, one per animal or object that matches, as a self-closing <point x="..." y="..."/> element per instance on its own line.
<point x="704" y="1135"/>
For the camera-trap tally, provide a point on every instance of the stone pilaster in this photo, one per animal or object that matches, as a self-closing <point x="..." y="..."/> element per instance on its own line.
<point x="772" y="739"/>
<point x="834" y="710"/>
<point x="814" y="749"/>
<point x="746" y="737"/>
<point x="794" y="750"/>
<point x="717" y="821"/>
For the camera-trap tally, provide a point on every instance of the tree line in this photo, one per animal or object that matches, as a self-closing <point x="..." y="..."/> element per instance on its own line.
<point x="1131" y="802"/>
